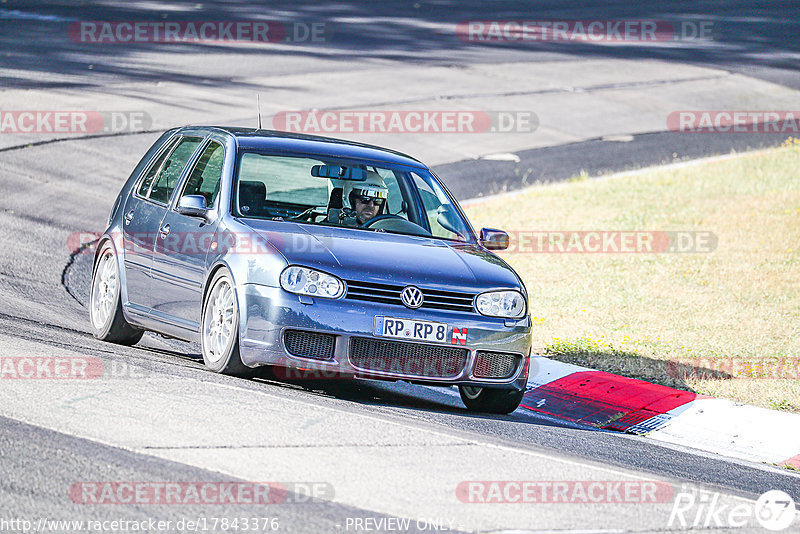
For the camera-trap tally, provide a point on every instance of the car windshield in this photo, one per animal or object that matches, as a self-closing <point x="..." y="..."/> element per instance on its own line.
<point x="334" y="192"/>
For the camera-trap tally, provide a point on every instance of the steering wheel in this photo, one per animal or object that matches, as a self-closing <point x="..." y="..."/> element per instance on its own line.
<point x="379" y="218"/>
<point x="395" y="223"/>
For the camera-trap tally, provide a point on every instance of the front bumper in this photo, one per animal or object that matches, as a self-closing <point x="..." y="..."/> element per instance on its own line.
<point x="267" y="312"/>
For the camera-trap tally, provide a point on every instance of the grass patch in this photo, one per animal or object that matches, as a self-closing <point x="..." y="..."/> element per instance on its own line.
<point x="724" y="323"/>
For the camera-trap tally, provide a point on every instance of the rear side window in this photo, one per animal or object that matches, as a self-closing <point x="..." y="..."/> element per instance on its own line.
<point x="171" y="171"/>
<point x="152" y="171"/>
<point x="207" y="173"/>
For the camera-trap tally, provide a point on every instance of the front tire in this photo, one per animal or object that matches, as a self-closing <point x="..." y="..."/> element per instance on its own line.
<point x="105" y="304"/>
<point x="501" y="401"/>
<point x="219" y="337"/>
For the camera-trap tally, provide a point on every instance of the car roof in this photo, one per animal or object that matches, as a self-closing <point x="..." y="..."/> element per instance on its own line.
<point x="259" y="139"/>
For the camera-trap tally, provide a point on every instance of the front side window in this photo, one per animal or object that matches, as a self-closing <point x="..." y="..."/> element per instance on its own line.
<point x="171" y="171"/>
<point x="442" y="216"/>
<point x="207" y="174"/>
<point x="284" y="180"/>
<point x="316" y="190"/>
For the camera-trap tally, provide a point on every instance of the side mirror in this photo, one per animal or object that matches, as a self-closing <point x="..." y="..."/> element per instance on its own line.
<point x="494" y="239"/>
<point x="193" y="206"/>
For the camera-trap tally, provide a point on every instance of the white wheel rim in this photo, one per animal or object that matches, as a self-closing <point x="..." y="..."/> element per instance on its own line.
<point x="219" y="320"/>
<point x="471" y="392"/>
<point x="104" y="290"/>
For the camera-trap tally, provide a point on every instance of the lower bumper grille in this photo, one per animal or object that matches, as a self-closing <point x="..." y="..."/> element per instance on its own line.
<point x="407" y="359"/>
<point x="495" y="364"/>
<point x="309" y="344"/>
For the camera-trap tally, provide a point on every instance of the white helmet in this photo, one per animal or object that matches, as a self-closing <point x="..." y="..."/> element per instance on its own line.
<point x="373" y="187"/>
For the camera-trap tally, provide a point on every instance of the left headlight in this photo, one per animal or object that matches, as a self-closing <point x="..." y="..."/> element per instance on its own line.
<point x="505" y="304"/>
<point x="305" y="281"/>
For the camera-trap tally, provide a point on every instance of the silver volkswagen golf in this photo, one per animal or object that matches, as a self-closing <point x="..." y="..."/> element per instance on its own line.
<point x="303" y="252"/>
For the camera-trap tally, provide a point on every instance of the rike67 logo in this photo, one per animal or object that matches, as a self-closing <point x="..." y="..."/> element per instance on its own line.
<point x="697" y="509"/>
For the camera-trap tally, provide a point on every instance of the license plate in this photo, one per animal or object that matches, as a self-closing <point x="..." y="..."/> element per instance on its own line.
<point x="412" y="330"/>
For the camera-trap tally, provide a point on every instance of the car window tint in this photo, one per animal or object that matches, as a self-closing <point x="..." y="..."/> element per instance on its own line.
<point x="171" y="171"/>
<point x="207" y="173"/>
<point x="144" y="186"/>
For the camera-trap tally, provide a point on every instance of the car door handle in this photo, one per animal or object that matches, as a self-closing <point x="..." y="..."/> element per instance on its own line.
<point x="164" y="231"/>
<point x="129" y="217"/>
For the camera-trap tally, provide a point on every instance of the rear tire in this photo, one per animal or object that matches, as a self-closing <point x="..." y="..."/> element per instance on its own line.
<point x="219" y="334"/>
<point x="479" y="399"/>
<point x="105" y="304"/>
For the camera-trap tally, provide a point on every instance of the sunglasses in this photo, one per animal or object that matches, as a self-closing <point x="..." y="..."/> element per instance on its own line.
<point x="370" y="200"/>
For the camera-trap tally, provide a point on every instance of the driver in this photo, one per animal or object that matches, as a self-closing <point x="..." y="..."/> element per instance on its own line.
<point x="367" y="198"/>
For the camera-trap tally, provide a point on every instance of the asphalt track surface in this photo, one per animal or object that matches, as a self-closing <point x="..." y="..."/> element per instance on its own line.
<point x="756" y="39"/>
<point x="50" y="191"/>
<point x="593" y="158"/>
<point x="43" y="293"/>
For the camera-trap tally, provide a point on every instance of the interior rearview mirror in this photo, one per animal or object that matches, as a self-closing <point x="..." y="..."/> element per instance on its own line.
<point x="339" y="172"/>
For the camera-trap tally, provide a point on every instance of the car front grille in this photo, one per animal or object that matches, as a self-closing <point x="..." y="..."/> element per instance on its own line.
<point x="309" y="344"/>
<point x="407" y="359"/>
<point x="495" y="364"/>
<point x="390" y="294"/>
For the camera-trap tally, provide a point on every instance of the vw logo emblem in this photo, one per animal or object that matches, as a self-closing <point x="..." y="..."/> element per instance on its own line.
<point x="412" y="297"/>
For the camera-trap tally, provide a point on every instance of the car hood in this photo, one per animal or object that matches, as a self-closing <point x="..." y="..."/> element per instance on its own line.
<point x="362" y="255"/>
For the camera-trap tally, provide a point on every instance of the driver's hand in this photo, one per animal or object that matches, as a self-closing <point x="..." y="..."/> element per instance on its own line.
<point x="347" y="217"/>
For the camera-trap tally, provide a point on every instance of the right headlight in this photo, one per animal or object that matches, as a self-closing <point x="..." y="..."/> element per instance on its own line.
<point x="305" y="281"/>
<point x="507" y="304"/>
